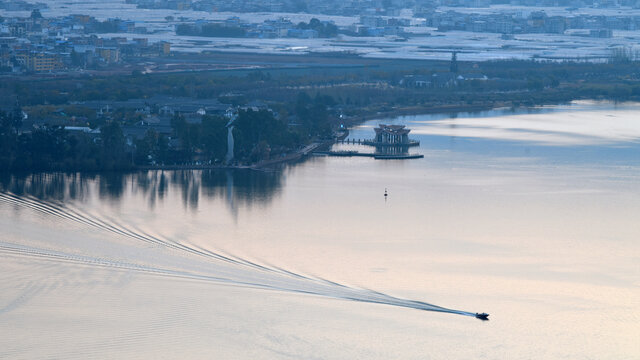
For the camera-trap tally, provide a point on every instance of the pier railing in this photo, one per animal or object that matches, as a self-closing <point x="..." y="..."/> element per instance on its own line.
<point x="371" y="142"/>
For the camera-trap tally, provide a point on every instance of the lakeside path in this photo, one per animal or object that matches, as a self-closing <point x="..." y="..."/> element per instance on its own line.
<point x="296" y="155"/>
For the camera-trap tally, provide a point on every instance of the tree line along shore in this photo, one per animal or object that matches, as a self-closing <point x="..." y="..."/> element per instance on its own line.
<point x="296" y="106"/>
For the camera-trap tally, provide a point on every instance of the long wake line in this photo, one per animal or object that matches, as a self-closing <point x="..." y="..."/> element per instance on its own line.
<point x="235" y="271"/>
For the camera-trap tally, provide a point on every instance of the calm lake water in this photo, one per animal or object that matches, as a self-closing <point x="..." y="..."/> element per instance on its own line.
<point x="531" y="216"/>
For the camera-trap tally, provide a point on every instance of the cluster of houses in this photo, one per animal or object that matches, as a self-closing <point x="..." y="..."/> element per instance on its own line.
<point x="533" y="22"/>
<point x="450" y="20"/>
<point x="36" y="44"/>
<point x="332" y="7"/>
<point x="20" y="5"/>
<point x="392" y="8"/>
<point x="506" y="22"/>
<point x="503" y="23"/>
<point x="143" y="115"/>
<point x="235" y="27"/>
<point x="371" y="25"/>
<point x="285" y="28"/>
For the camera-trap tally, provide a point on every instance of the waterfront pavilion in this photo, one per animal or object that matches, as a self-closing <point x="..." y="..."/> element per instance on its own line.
<point x="392" y="135"/>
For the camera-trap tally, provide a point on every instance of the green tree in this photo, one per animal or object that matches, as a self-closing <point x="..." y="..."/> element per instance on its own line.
<point x="253" y="129"/>
<point x="189" y="136"/>
<point x="313" y="114"/>
<point x="153" y="148"/>
<point x="214" y="136"/>
<point x="114" y="154"/>
<point x="8" y="141"/>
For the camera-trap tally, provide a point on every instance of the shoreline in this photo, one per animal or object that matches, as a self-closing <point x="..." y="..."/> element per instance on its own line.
<point x="442" y="109"/>
<point x="420" y="110"/>
<point x="309" y="149"/>
<point x="293" y="156"/>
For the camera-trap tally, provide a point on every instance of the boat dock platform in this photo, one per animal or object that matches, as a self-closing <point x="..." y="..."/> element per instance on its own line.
<point x="370" y="142"/>
<point x="350" y="153"/>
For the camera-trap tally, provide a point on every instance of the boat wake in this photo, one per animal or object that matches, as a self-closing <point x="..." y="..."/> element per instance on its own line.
<point x="217" y="268"/>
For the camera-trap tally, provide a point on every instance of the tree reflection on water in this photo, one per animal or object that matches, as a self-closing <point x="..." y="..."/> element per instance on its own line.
<point x="247" y="187"/>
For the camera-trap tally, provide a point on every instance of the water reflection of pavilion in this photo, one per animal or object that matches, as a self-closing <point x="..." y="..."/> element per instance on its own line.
<point x="391" y="150"/>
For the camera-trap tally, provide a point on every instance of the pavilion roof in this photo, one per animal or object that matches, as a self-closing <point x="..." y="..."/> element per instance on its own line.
<point x="392" y="129"/>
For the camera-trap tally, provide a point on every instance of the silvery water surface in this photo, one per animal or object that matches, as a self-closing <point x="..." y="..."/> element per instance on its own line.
<point x="529" y="215"/>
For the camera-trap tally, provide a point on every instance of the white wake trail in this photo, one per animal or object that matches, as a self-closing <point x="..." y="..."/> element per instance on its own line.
<point x="222" y="268"/>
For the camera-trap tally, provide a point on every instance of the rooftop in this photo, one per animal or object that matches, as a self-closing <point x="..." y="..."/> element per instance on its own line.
<point x="392" y="129"/>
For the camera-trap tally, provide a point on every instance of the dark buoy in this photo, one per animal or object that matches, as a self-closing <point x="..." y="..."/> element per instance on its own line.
<point x="385" y="192"/>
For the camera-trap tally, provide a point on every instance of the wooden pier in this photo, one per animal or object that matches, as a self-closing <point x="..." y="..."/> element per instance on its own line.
<point x="374" y="143"/>
<point x="351" y="141"/>
<point x="371" y="155"/>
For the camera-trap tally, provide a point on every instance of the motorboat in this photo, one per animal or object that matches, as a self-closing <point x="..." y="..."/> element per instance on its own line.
<point x="482" y="316"/>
